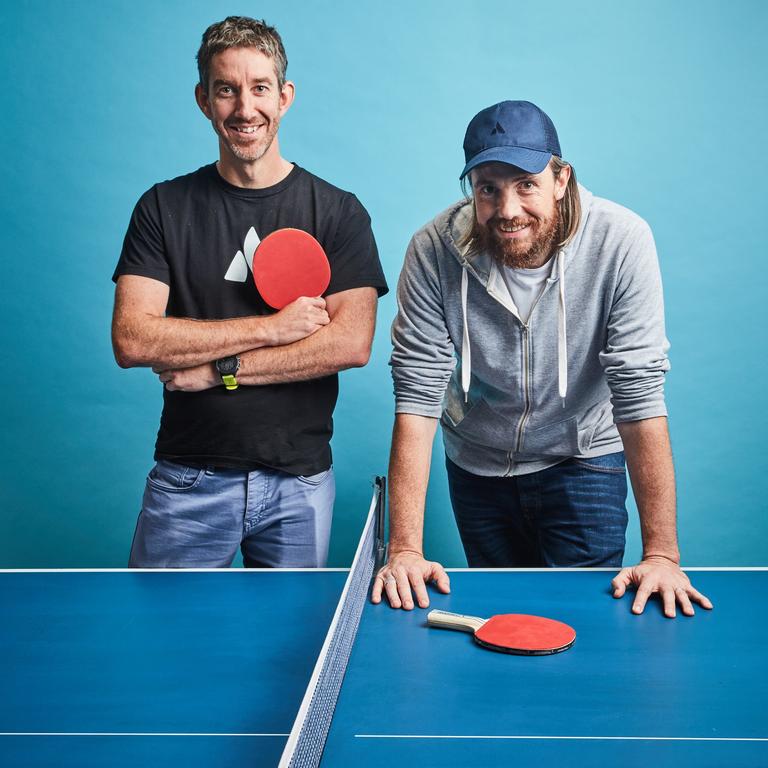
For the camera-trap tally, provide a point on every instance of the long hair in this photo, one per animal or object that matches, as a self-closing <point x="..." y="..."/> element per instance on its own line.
<point x="569" y="208"/>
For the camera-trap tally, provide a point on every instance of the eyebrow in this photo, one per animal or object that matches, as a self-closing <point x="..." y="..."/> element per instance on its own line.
<point x="256" y="80"/>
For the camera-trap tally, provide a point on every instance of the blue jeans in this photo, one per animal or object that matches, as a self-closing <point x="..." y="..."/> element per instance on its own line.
<point x="572" y="514"/>
<point x="197" y="518"/>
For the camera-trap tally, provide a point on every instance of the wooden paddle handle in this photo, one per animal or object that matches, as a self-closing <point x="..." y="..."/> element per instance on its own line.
<point x="446" y="620"/>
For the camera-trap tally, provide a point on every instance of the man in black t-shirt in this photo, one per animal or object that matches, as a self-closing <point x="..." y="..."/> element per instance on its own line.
<point x="247" y="464"/>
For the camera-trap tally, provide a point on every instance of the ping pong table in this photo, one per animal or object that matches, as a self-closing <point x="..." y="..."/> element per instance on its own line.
<point x="211" y="668"/>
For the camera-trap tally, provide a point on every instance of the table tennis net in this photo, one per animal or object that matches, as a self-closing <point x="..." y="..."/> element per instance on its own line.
<point x="306" y="741"/>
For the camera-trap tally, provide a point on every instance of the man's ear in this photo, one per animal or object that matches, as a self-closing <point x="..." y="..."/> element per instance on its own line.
<point x="287" y="94"/>
<point x="561" y="182"/>
<point x="201" y="97"/>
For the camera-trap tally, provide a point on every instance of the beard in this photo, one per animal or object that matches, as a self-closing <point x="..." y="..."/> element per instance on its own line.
<point x="514" y="253"/>
<point x="251" y="151"/>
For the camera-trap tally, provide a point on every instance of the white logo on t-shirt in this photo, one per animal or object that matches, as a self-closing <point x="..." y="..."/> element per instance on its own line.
<point x="243" y="261"/>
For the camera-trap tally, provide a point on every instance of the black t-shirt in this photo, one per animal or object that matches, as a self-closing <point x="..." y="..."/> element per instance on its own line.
<point x="197" y="234"/>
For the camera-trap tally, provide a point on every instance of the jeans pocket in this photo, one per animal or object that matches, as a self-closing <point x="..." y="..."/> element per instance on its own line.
<point x="169" y="476"/>
<point x="315" y="479"/>
<point x="612" y="463"/>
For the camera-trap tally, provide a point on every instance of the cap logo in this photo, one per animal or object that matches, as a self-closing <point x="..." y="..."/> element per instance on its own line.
<point x="497" y="129"/>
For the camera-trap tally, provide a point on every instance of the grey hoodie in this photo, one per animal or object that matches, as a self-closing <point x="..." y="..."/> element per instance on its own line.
<point x="516" y="397"/>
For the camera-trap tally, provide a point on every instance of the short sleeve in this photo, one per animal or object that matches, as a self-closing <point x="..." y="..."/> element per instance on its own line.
<point x="353" y="256"/>
<point x="144" y="251"/>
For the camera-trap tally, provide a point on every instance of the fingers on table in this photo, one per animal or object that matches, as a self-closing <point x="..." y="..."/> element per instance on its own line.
<point x="419" y="587"/>
<point x="702" y="600"/>
<point x="644" y="591"/>
<point x="385" y="583"/>
<point x="669" y="599"/>
<point x="673" y="593"/>
<point x="402" y="583"/>
<point x="687" y="595"/>
<point x="438" y="575"/>
<point x="399" y="589"/>
<point x="396" y="589"/>
<point x="376" y="590"/>
<point x="621" y="581"/>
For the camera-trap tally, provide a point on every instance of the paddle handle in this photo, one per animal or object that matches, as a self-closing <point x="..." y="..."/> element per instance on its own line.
<point x="446" y="620"/>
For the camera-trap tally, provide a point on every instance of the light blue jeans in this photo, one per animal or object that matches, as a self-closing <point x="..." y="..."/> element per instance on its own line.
<point x="197" y="518"/>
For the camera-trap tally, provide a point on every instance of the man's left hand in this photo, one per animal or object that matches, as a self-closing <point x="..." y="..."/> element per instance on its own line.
<point x="657" y="575"/>
<point x="194" y="379"/>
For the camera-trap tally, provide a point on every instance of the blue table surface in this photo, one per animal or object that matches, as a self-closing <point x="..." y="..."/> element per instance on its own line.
<point x="208" y="669"/>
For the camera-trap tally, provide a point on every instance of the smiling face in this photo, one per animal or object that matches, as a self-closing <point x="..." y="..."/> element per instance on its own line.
<point x="517" y="213"/>
<point x="244" y="104"/>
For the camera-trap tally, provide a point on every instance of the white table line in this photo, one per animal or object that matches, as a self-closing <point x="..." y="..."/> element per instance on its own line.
<point x="147" y="733"/>
<point x="558" y="738"/>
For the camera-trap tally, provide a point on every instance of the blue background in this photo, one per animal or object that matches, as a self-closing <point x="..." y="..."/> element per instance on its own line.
<point x="659" y="106"/>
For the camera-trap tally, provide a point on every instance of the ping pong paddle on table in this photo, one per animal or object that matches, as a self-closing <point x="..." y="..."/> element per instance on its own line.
<point x="290" y="263"/>
<point x="510" y="632"/>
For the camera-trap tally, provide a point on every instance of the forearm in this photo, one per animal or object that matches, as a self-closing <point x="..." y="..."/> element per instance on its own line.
<point x="651" y="470"/>
<point x="409" y="464"/>
<point x="322" y="354"/>
<point x="142" y="335"/>
<point x="344" y="343"/>
<point x="170" y="342"/>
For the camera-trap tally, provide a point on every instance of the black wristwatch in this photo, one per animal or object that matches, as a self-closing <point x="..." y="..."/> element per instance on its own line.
<point x="228" y="368"/>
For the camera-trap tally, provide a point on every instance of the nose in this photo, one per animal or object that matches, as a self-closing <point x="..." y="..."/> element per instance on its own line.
<point x="246" y="104"/>
<point x="509" y="206"/>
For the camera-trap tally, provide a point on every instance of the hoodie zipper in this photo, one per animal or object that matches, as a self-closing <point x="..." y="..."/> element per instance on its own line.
<point x="527" y="384"/>
<point x="526" y="387"/>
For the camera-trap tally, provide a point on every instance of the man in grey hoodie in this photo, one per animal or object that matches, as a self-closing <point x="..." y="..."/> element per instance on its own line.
<point x="531" y="323"/>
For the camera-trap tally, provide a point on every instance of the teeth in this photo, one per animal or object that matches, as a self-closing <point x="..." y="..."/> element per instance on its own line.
<point x="507" y="228"/>
<point x="247" y="129"/>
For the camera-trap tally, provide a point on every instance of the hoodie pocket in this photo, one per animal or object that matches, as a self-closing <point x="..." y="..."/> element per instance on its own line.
<point x="569" y="437"/>
<point x="558" y="439"/>
<point x="480" y="424"/>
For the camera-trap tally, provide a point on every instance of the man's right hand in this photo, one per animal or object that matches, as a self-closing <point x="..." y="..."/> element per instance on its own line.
<point x="298" y="320"/>
<point x="406" y="571"/>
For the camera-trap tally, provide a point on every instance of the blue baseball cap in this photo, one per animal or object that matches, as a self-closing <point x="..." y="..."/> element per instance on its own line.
<point x="513" y="132"/>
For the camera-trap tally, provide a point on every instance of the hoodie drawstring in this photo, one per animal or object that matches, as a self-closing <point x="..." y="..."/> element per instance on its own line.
<point x="466" y="352"/>
<point x="562" y="343"/>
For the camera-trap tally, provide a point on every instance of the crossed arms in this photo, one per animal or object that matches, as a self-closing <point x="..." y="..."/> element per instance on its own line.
<point x="310" y="338"/>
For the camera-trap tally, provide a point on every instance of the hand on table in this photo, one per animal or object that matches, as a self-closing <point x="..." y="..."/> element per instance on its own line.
<point x="408" y="571"/>
<point x="194" y="379"/>
<point x="657" y="575"/>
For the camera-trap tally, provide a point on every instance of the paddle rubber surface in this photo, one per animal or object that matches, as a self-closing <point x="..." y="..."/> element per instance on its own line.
<point x="290" y="263"/>
<point x="529" y="635"/>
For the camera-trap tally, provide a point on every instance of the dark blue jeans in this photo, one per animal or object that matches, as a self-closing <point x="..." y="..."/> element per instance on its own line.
<point x="572" y="514"/>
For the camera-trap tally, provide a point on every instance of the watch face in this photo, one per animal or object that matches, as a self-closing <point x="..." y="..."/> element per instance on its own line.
<point x="227" y="365"/>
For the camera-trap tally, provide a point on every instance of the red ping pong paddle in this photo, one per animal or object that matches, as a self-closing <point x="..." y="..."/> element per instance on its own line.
<point x="290" y="263"/>
<point x="510" y="632"/>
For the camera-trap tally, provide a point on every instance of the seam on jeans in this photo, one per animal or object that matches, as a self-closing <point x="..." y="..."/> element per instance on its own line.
<point x="255" y="503"/>
<point x="173" y="489"/>
<point x="596" y="468"/>
<point x="308" y="479"/>
<point x="269" y="482"/>
<point x="133" y="540"/>
<point x="530" y="512"/>
<point x="246" y="507"/>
